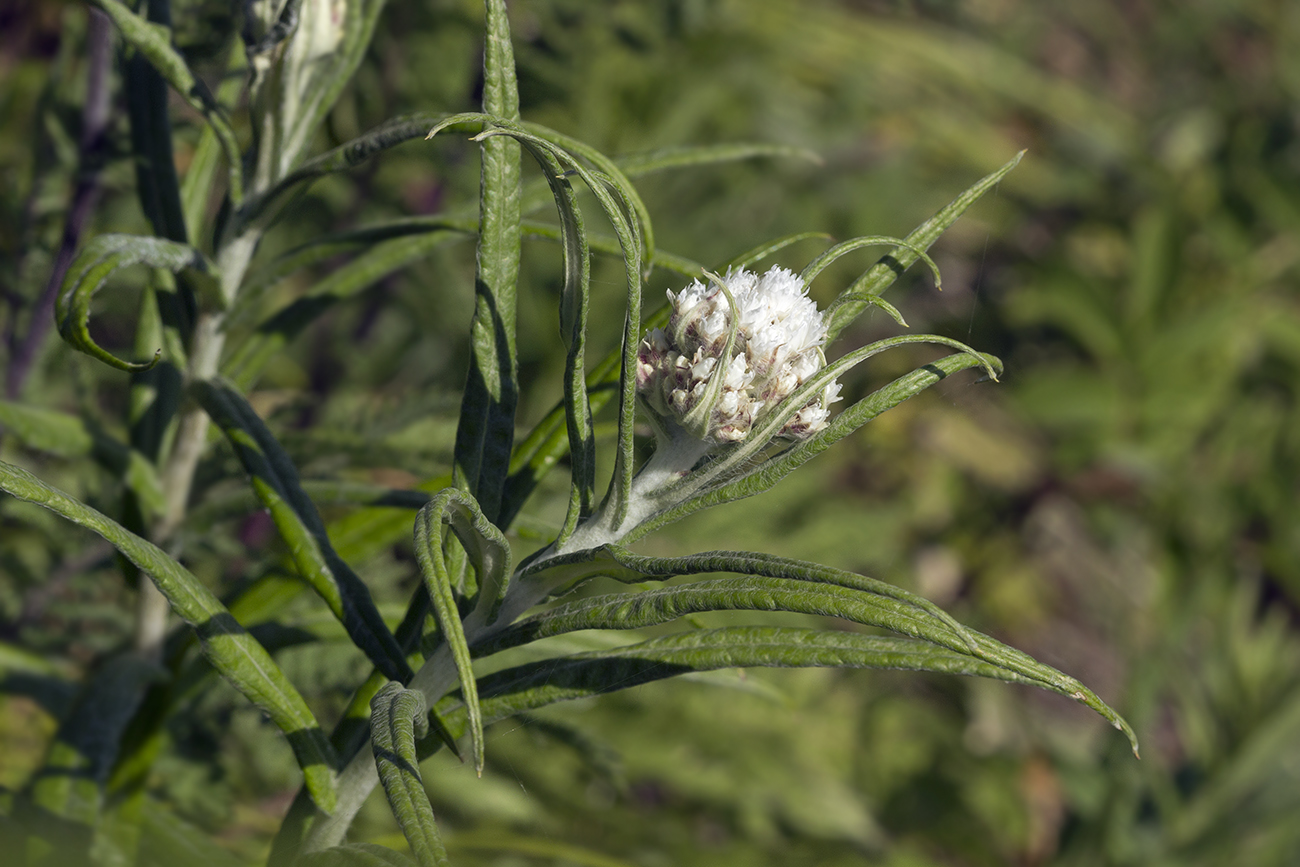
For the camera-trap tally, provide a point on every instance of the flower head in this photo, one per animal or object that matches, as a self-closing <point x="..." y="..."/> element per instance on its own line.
<point x="777" y="348"/>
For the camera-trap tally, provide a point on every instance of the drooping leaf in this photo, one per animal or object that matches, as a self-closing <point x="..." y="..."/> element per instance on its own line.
<point x="97" y="262"/>
<point x="234" y="653"/>
<point x="387" y="135"/>
<point x="490" y="554"/>
<point x="537" y="684"/>
<point x="275" y="481"/>
<point x="397" y="718"/>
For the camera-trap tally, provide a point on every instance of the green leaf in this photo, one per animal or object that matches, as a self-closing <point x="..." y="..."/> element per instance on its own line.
<point x="397" y="718"/>
<point x="617" y="562"/>
<point x="275" y="481"/>
<point x="154" y="42"/>
<point x="151" y="136"/>
<point x="485" y="434"/>
<point x="852" y="301"/>
<point x="97" y="262"/>
<point x="631" y="240"/>
<point x="233" y="652"/>
<point x="537" y="684"/>
<point x="490" y="554"/>
<point x="822" y="262"/>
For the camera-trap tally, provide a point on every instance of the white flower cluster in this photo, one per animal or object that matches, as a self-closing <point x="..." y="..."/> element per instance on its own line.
<point x="778" y="347"/>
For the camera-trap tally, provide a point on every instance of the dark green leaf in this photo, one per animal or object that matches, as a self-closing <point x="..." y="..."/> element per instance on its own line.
<point x="275" y="481"/>
<point x="97" y="262"/>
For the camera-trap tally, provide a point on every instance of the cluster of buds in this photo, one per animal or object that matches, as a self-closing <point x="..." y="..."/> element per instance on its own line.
<point x="777" y="346"/>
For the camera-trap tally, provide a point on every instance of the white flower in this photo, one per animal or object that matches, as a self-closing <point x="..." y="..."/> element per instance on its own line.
<point x="778" y="347"/>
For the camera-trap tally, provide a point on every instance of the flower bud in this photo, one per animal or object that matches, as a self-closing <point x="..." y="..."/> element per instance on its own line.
<point x="777" y="348"/>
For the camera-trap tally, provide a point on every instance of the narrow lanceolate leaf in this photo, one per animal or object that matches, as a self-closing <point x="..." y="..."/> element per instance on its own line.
<point x="233" y="652"/>
<point x="776" y="584"/>
<point x="621" y="209"/>
<point x="545" y="682"/>
<point x="545" y="445"/>
<point x="852" y="301"/>
<point x="97" y="262"/>
<point x="573" y="328"/>
<point x="769" y="472"/>
<point x="275" y="481"/>
<point x="618" y="181"/>
<point x="154" y="42"/>
<point x="621" y="564"/>
<point x="573" y="331"/>
<point x="397" y="718"/>
<point x="453" y="507"/>
<point x="485" y="435"/>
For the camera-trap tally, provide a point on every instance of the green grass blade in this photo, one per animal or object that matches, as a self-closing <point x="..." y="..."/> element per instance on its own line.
<point x="852" y="301"/>
<point x="154" y="42"/>
<point x="233" y="652"/>
<point x="398" y="717"/>
<point x="275" y="481"/>
<point x="97" y="262"/>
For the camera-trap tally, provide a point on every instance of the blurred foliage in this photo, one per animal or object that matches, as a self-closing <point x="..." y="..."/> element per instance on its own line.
<point x="1126" y="505"/>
